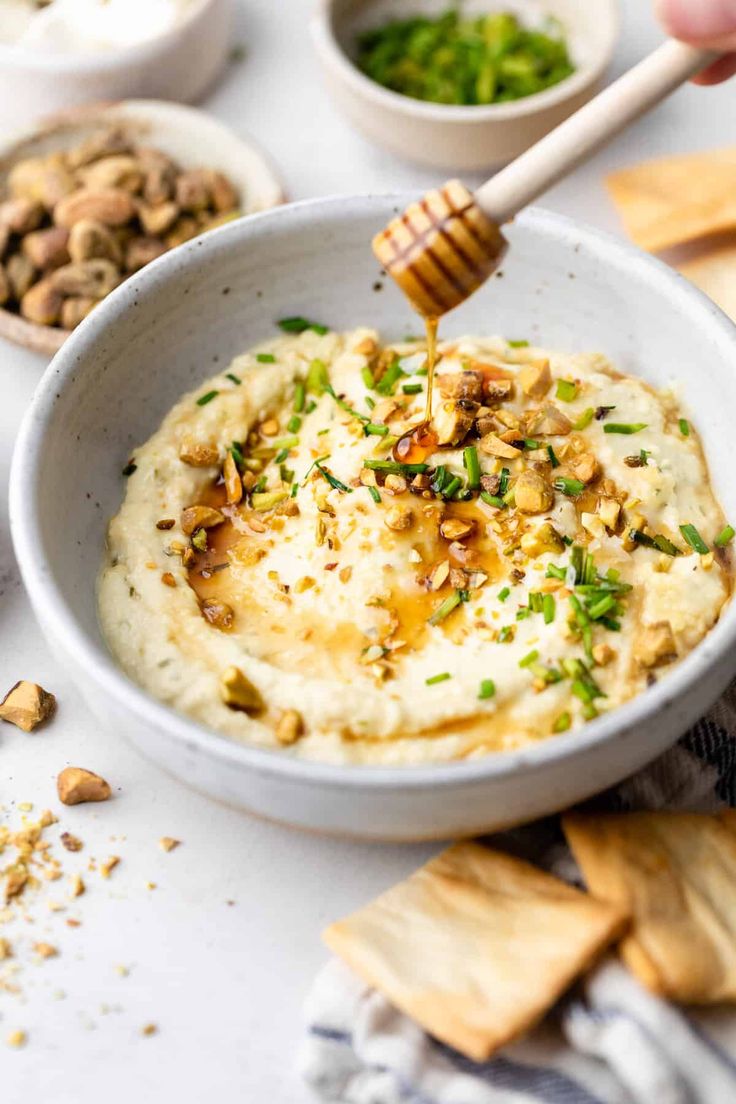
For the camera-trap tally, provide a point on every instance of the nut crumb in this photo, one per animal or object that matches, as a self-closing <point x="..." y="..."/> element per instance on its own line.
<point x="75" y="785"/>
<point x="106" y="868"/>
<point x="70" y="842"/>
<point x="168" y="843"/>
<point x="149" y="1029"/>
<point x="17" y="1039"/>
<point x="45" y="950"/>
<point x="78" y="887"/>
<point x="26" y="705"/>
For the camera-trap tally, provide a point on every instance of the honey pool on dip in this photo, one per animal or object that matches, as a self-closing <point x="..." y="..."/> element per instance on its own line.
<point x="289" y="568"/>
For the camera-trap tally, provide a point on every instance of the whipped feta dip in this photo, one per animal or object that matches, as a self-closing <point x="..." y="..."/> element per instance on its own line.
<point x="88" y="26"/>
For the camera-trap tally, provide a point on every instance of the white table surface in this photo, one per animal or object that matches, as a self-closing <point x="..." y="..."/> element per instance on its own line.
<point x="222" y="952"/>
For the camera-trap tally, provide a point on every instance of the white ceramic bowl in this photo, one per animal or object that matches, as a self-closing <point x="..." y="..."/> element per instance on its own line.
<point x="167" y="327"/>
<point x="453" y="137"/>
<point x="179" y="65"/>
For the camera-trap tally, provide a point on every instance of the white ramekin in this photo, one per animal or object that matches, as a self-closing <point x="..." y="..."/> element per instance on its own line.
<point x="453" y="137"/>
<point x="178" y="65"/>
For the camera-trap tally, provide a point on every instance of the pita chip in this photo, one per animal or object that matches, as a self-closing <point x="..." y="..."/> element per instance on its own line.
<point x="714" y="272"/>
<point x="676" y="873"/>
<point x="674" y="200"/>
<point x="476" y="945"/>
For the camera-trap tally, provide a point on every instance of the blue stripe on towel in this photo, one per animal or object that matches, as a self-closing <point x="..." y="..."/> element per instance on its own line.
<point x="548" y="1084"/>
<point x="715" y="746"/>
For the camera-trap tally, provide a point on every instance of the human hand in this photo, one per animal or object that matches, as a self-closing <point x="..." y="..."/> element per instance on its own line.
<point x="707" y="23"/>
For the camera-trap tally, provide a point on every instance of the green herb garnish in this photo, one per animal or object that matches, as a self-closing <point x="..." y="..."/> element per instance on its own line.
<point x="684" y="427"/>
<point x="374" y="493"/>
<point x="438" y="678"/>
<point x="471" y="463"/>
<point x="298" y="325"/>
<point x="294" y="424"/>
<point x="265" y="358"/>
<point x="585" y="419"/>
<point x="371" y="429"/>
<point x="300" y="393"/>
<point x="387" y="383"/>
<point x="503" y="594"/>
<point x="694" y="539"/>
<point x="624" y="427"/>
<point x="233" y="378"/>
<point x="395" y="468"/>
<point x="445" y="608"/>
<point x="412" y="388"/>
<point x="332" y="480"/>
<point x="562" y="723"/>
<point x="318" y="380"/>
<point x="548" y="609"/>
<point x="567" y="390"/>
<point x="725" y="536"/>
<point x="521" y="343"/>
<point x="527" y="661"/>
<point x="552" y="457"/>
<point x="571" y="487"/>
<point x="658" y="541"/>
<point x="207" y="398"/>
<point x="487" y="689"/>
<point x="493" y="500"/>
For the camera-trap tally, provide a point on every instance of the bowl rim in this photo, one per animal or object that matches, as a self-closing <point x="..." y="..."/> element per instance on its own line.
<point x="334" y="57"/>
<point x="57" y="617"/>
<point x="80" y="63"/>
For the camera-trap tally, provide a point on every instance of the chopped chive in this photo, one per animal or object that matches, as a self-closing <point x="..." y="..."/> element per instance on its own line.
<point x="369" y="402"/>
<point x="624" y="427"/>
<point x="265" y="358"/>
<point x="260" y="486"/>
<point x="438" y="678"/>
<point x="445" y="608"/>
<point x="131" y="466"/>
<point x="233" y="378"/>
<point x="344" y="405"/>
<point x="294" y="490"/>
<point x="562" y="723"/>
<point x="493" y="500"/>
<point x="585" y="419"/>
<point x="412" y="388"/>
<point x="519" y="344"/>
<point x="554" y="572"/>
<point x="300" y="392"/>
<point x="373" y="430"/>
<point x="659" y="541"/>
<point x="552" y="458"/>
<point x="367" y="377"/>
<point x="281" y="456"/>
<point x="285" y="442"/>
<point x="317" y="378"/>
<point x="535" y="601"/>
<point x="523" y="612"/>
<point x="287" y="474"/>
<point x="527" y="661"/>
<point x="567" y="390"/>
<point x="294" y="424"/>
<point x="422" y="372"/>
<point x="531" y="445"/>
<point x="208" y="397"/>
<point x="387" y="383"/>
<point x="298" y="325"/>
<point x="503" y="594"/>
<point x="598" y="609"/>
<point x="332" y="480"/>
<point x="503" y="485"/>
<point x="548" y="609"/>
<point x="571" y="487"/>
<point x="694" y="539"/>
<point x="506" y="634"/>
<point x="321" y="432"/>
<point x="471" y="463"/>
<point x="395" y="467"/>
<point x="725" y="536"/>
<point x="237" y="454"/>
<point x="487" y="689"/>
<point x="450" y="488"/>
<point x="684" y="427"/>
<point x="311" y="405"/>
<point x="374" y="493"/>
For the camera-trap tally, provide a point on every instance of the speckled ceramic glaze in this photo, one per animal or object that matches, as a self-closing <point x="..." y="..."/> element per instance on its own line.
<point x="168" y="327"/>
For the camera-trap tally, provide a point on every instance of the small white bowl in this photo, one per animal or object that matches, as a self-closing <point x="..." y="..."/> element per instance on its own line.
<point x="179" y="65"/>
<point x="448" y="136"/>
<point x="190" y="136"/>
<point x="167" y="327"/>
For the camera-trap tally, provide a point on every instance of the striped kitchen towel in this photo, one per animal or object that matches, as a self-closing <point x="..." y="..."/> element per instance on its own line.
<point x="608" y="1042"/>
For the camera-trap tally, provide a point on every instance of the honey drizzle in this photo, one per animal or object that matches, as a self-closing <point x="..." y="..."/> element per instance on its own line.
<point x="414" y="446"/>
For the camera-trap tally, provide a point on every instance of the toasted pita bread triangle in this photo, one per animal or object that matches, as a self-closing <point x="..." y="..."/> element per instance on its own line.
<point x="676" y="199"/>
<point x="676" y="872"/>
<point x="476" y="945"/>
<point x="714" y="272"/>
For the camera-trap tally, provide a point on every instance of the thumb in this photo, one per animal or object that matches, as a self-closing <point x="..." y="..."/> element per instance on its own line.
<point x="709" y="23"/>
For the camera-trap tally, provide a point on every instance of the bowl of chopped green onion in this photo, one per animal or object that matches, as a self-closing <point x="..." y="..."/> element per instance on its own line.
<point x="468" y="86"/>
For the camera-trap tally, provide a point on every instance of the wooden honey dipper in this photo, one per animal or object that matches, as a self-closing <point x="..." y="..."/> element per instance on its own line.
<point x="445" y="246"/>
